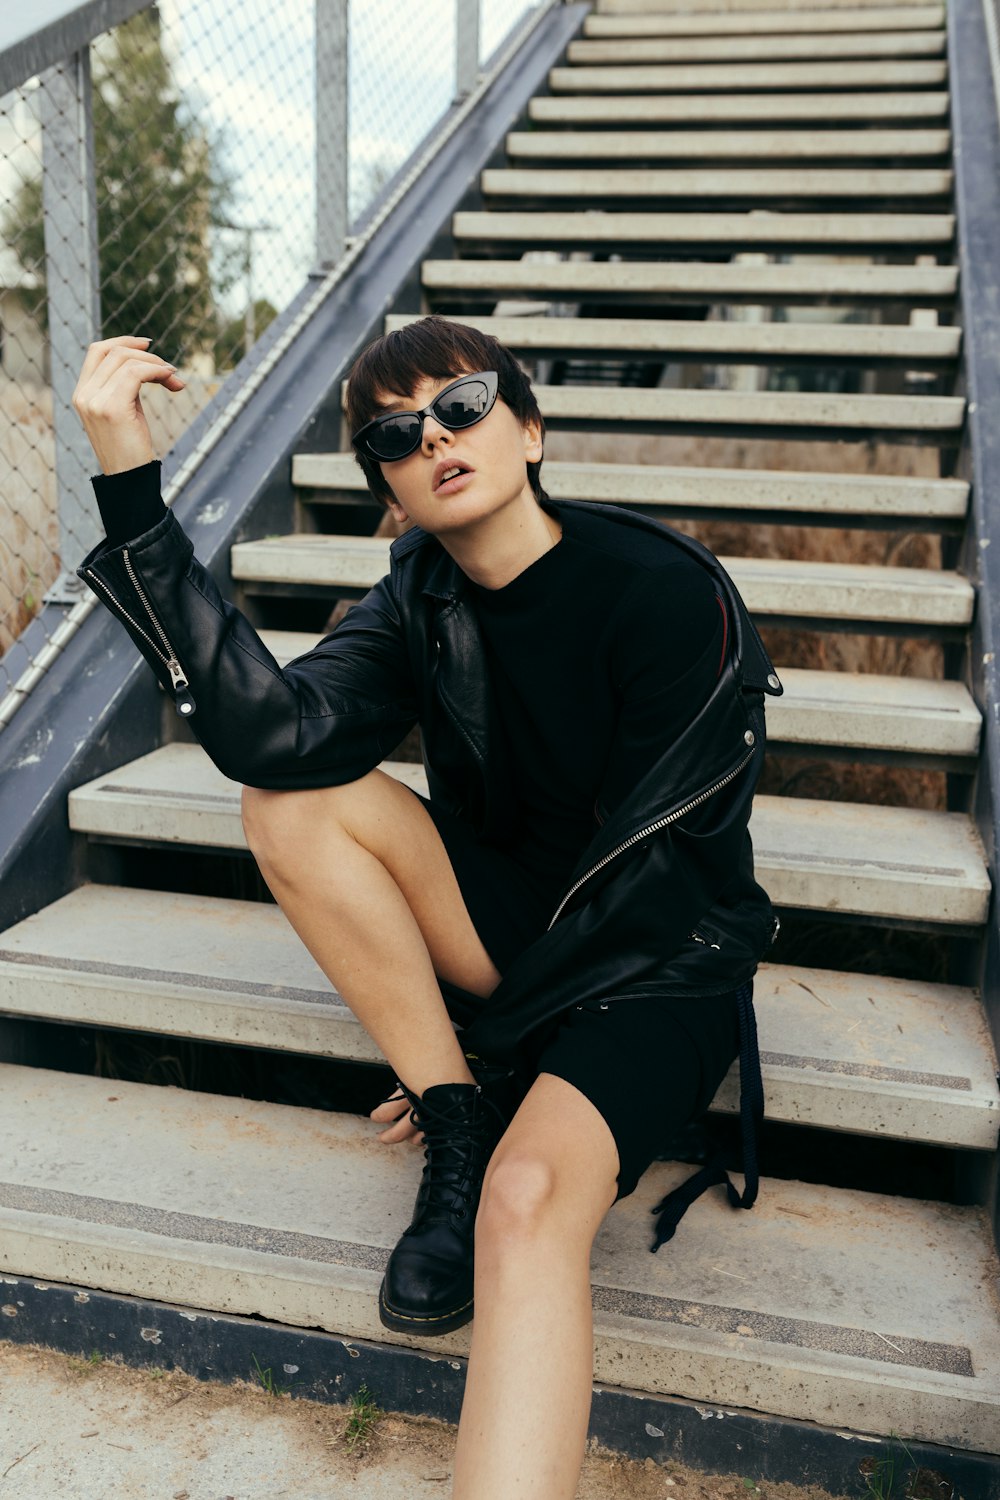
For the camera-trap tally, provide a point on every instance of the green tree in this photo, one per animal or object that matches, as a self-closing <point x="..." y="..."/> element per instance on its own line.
<point x="231" y="342"/>
<point x="160" y="186"/>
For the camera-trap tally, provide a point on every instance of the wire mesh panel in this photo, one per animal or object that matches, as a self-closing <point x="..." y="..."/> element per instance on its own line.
<point x="402" y="80"/>
<point x="181" y="177"/>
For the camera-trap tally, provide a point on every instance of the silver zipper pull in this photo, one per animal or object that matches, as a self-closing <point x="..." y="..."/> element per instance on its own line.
<point x="183" y="701"/>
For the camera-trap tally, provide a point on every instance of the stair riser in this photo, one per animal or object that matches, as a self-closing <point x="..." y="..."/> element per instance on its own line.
<point x="720" y="1368"/>
<point x="796" y="1096"/>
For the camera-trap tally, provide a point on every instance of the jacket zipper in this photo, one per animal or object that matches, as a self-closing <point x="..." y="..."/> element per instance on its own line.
<point x="642" y="833"/>
<point x="183" y="700"/>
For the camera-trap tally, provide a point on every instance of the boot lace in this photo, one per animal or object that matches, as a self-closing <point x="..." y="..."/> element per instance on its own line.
<point x="458" y="1143"/>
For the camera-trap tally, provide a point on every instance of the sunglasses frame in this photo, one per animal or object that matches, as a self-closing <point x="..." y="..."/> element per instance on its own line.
<point x="361" y="437"/>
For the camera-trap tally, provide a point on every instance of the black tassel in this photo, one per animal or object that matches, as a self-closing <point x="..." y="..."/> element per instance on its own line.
<point x="673" y="1207"/>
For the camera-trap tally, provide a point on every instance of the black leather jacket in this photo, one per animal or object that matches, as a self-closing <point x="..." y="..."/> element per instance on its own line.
<point x="663" y="899"/>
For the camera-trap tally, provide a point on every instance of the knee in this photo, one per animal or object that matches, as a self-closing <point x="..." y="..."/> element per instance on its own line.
<point x="518" y="1194"/>
<point x="275" y="822"/>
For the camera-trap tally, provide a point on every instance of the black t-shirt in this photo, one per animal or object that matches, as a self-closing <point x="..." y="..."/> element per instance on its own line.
<point x="600" y="652"/>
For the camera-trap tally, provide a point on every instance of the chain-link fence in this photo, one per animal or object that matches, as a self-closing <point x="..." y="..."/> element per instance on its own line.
<point x="181" y="176"/>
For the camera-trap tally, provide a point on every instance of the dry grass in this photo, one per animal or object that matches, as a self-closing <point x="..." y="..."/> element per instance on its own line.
<point x="29" y="531"/>
<point x="29" y="540"/>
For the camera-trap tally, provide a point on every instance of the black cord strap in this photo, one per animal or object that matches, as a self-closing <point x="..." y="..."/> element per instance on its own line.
<point x="673" y="1207"/>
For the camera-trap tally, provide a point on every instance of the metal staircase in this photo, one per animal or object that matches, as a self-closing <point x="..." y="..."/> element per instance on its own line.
<point x="695" y="169"/>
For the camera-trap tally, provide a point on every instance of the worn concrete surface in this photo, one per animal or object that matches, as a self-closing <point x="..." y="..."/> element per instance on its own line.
<point x="77" y="1431"/>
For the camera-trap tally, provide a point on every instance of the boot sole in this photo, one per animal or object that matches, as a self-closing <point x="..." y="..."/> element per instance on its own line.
<point x="401" y="1322"/>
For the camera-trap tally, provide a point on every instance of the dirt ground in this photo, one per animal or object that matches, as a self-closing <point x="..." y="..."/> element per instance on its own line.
<point x="77" y="1430"/>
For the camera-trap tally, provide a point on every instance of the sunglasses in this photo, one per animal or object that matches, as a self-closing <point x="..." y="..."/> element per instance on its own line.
<point x="462" y="404"/>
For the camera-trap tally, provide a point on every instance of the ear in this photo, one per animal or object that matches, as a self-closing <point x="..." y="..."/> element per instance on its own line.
<point x="397" y="511"/>
<point x="532" y="441"/>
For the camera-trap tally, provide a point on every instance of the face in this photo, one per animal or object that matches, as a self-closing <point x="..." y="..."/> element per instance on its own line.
<point x="493" y="453"/>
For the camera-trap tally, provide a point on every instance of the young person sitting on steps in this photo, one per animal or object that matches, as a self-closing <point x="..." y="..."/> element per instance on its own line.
<point x="554" y="948"/>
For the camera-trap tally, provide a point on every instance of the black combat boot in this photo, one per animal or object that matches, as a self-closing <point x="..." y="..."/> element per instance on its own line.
<point x="428" y="1282"/>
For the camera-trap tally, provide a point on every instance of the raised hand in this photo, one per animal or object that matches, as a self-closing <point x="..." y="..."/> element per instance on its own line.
<point x="107" y="401"/>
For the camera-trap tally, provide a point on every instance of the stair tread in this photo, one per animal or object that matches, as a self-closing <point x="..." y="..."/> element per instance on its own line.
<point x="755" y="144"/>
<point x="677" y="335"/>
<point x="712" y="108"/>
<point x="769" y="586"/>
<point x="765" y="48"/>
<point x="883" y="18"/>
<point x="664" y="484"/>
<point x="592" y="228"/>
<point x="766" y="282"/>
<point x="850" y="1052"/>
<point x="706" y="182"/>
<point x="903" y="862"/>
<point x="788" y="75"/>
<point x="738" y="7"/>
<point x="819" y="1306"/>
<point x="812" y="409"/>
<point x="611" y="405"/>
<point x="855" y="710"/>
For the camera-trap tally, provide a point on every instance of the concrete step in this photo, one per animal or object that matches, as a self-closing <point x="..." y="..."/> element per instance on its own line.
<point x="600" y="231"/>
<point x="904" y="863"/>
<point x="821" y="1304"/>
<point x="718" y="109"/>
<point x="672" y="338"/>
<point x="907" y="17"/>
<point x="766" y="183"/>
<point x="698" y="8"/>
<point x="770" y="47"/>
<point x="830" y="593"/>
<point x="719" y="77"/>
<point x="726" y="145"/>
<point x="665" y="282"/>
<point x="847" y="1052"/>
<point x="933" y="418"/>
<point x="848" y="711"/>
<point x="777" y="493"/>
<point x="752" y="413"/>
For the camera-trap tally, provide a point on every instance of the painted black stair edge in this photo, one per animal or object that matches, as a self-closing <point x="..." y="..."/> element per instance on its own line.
<point x="326" y="1367"/>
<point x="98" y="704"/>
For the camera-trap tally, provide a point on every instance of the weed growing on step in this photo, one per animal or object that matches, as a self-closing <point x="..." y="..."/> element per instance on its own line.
<point x="89" y="1362"/>
<point x="914" y="1483"/>
<point x="267" y="1380"/>
<point x="361" y="1422"/>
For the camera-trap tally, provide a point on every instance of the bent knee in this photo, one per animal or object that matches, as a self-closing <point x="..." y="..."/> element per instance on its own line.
<point x="263" y="812"/>
<point x="518" y="1190"/>
<point x="279" y="825"/>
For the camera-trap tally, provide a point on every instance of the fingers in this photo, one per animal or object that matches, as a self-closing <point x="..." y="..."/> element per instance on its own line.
<point x="395" y="1110"/>
<point x="103" y="373"/>
<point x="139" y="363"/>
<point x="97" y="351"/>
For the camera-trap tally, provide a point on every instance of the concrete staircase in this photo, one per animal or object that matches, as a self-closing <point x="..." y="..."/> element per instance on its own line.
<point x="635" y="252"/>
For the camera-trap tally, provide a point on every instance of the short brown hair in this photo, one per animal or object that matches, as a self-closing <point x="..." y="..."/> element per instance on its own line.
<point x="434" y="347"/>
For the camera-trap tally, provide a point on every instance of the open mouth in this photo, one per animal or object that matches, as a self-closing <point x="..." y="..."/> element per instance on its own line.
<point x="450" y="478"/>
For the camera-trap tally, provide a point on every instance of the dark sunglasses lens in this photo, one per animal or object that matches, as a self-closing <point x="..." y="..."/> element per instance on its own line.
<point x="463" y="404"/>
<point x="395" y="437"/>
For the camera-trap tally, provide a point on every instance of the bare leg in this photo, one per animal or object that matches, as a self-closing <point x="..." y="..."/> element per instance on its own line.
<point x="547" y="1190"/>
<point x="362" y="875"/>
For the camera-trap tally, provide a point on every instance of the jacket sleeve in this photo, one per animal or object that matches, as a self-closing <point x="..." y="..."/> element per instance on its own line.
<point x="327" y="718"/>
